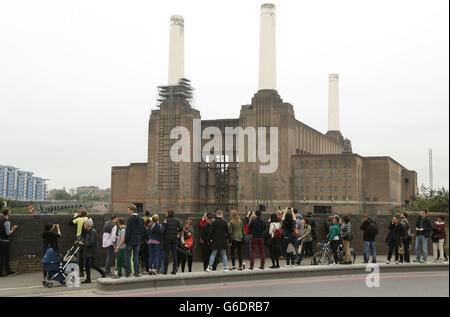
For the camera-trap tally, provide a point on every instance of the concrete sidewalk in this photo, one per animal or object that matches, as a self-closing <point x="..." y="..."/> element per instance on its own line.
<point x="30" y="284"/>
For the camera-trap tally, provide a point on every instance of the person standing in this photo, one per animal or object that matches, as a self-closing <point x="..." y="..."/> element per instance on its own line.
<point x="51" y="235"/>
<point x="370" y="230"/>
<point x="257" y="228"/>
<point x="236" y="228"/>
<point x="187" y="244"/>
<point x="120" y="247"/>
<point x="423" y="229"/>
<point x="393" y="238"/>
<point x="79" y="220"/>
<point x="406" y="237"/>
<point x="312" y="223"/>
<point x="289" y="235"/>
<point x="334" y="239"/>
<point x="307" y="241"/>
<point x="347" y="236"/>
<point x="171" y="228"/>
<point x="154" y="235"/>
<point x="133" y="239"/>
<point x="109" y="241"/>
<point x="205" y="241"/>
<point x="275" y="233"/>
<point x="438" y="239"/>
<point x="220" y="239"/>
<point x="89" y="243"/>
<point x="5" y="237"/>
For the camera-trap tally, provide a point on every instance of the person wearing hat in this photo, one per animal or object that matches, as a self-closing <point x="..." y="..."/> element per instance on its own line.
<point x="89" y="243"/>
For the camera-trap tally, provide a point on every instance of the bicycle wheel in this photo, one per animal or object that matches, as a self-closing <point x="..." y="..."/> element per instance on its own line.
<point x="320" y="258"/>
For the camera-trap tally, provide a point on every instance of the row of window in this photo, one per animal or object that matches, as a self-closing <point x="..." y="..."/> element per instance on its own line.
<point x="316" y="189"/>
<point x="317" y="197"/>
<point x="320" y="170"/>
<point x="321" y="179"/>
<point x="330" y="163"/>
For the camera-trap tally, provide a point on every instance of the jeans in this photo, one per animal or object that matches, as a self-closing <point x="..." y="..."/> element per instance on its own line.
<point x="120" y="257"/>
<point x="89" y="263"/>
<point x="257" y="243"/>
<point x="393" y="246"/>
<point x="420" y="239"/>
<point x="170" y="246"/>
<point x="440" y="245"/>
<point x="236" y="245"/>
<point x="135" y="250"/>
<point x="4" y="257"/>
<point x="109" y="258"/>
<point x="370" y="245"/>
<point x="153" y="256"/>
<point x="80" y="257"/>
<point x="406" y="256"/>
<point x="212" y="258"/>
<point x="162" y="257"/>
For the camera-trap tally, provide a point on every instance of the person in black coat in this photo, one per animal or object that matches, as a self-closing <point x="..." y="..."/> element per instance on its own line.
<point x="133" y="238"/>
<point x="205" y="242"/>
<point x="170" y="229"/>
<point x="393" y="238"/>
<point x="89" y="244"/>
<point x="220" y="239"/>
<point x="51" y="235"/>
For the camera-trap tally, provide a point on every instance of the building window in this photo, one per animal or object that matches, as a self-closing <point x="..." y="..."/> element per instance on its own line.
<point x="330" y="198"/>
<point x="350" y="198"/>
<point x="343" y="198"/>
<point x="321" y="189"/>
<point x="329" y="189"/>
<point x="302" y="189"/>
<point x="321" y="197"/>
<point x="376" y="199"/>
<point x="306" y="197"/>
<point x="335" y="197"/>
<point x="315" y="197"/>
<point x="406" y="180"/>
<point x="307" y="189"/>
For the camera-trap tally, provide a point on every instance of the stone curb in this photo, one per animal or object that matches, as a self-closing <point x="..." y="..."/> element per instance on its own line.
<point x="107" y="285"/>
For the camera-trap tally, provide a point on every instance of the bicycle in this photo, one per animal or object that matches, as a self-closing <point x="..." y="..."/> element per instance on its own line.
<point x="325" y="256"/>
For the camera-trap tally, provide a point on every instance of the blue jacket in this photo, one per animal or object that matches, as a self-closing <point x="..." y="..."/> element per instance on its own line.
<point x="133" y="233"/>
<point x="155" y="233"/>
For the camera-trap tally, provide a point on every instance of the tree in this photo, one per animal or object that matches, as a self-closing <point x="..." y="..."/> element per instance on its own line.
<point x="62" y="195"/>
<point x="432" y="200"/>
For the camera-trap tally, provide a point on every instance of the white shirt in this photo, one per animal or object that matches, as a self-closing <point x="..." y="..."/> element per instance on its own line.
<point x="109" y="238"/>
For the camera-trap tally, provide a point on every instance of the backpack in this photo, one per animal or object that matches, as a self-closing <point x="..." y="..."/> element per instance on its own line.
<point x="372" y="229"/>
<point x="278" y="233"/>
<point x="189" y="242"/>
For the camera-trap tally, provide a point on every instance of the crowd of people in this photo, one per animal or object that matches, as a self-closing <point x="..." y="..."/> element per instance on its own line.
<point x="144" y="245"/>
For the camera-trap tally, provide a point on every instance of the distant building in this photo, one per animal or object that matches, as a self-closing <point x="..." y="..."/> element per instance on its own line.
<point x="86" y="190"/>
<point x="21" y="185"/>
<point x="72" y="191"/>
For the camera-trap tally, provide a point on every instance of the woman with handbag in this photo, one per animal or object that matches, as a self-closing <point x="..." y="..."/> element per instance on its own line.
<point x="347" y="236"/>
<point x="275" y="232"/>
<point x="236" y="228"/>
<point x="290" y="234"/>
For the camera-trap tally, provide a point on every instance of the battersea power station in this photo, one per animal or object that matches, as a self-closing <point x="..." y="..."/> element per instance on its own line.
<point x="296" y="165"/>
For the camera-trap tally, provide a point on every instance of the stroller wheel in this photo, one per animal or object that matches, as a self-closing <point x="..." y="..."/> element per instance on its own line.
<point x="44" y="283"/>
<point x="49" y="284"/>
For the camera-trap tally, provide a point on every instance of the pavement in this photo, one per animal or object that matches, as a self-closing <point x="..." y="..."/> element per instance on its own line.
<point x="29" y="284"/>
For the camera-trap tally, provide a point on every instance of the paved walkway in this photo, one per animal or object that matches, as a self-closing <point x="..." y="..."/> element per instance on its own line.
<point x="30" y="284"/>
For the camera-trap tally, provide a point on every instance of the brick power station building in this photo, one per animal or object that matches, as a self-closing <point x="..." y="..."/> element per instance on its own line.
<point x="316" y="172"/>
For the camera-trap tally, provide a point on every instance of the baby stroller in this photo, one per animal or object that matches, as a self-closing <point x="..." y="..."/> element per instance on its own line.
<point x="55" y="268"/>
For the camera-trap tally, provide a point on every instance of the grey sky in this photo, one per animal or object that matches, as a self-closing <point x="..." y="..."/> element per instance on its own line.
<point x="78" y="78"/>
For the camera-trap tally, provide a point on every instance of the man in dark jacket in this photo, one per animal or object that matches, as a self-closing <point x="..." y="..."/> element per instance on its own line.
<point x="220" y="239"/>
<point x="406" y="237"/>
<point x="133" y="237"/>
<point x="257" y="227"/>
<point x="368" y="226"/>
<point x="205" y="242"/>
<point x="393" y="238"/>
<point x="170" y="228"/>
<point x="423" y="230"/>
<point x="5" y="236"/>
<point x="89" y="243"/>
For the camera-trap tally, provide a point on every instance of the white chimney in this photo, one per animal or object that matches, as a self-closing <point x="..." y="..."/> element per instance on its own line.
<point x="176" y="49"/>
<point x="333" y="103"/>
<point x="267" y="57"/>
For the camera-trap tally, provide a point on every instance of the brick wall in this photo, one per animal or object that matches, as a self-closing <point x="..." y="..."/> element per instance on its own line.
<point x="27" y="243"/>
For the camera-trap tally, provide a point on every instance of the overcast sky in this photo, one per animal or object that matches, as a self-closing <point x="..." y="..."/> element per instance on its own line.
<point x="78" y="78"/>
